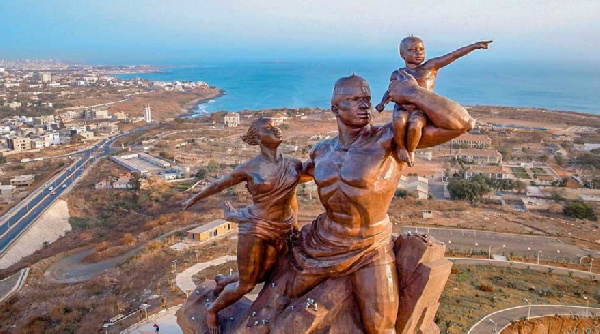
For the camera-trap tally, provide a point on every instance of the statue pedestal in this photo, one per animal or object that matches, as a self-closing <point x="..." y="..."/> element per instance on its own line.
<point x="330" y="306"/>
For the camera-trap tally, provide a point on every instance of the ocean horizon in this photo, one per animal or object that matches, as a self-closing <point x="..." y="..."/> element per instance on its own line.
<point x="254" y="85"/>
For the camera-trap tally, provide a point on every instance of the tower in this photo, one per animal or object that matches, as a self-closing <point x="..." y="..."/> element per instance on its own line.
<point x="148" y="114"/>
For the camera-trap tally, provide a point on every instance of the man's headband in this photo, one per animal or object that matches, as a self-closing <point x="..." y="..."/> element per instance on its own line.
<point x="352" y="90"/>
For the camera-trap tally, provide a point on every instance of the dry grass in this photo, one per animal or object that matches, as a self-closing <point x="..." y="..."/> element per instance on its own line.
<point x="464" y="302"/>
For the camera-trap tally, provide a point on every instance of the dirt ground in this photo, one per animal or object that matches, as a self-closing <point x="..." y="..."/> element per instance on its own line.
<point x="554" y="325"/>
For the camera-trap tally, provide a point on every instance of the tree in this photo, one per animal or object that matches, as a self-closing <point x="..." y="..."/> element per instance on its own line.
<point x="2" y="159"/>
<point x="471" y="190"/>
<point x="560" y="159"/>
<point x="201" y="173"/>
<point x="580" y="210"/>
<point x="401" y="193"/>
<point x="134" y="181"/>
<point x="520" y="186"/>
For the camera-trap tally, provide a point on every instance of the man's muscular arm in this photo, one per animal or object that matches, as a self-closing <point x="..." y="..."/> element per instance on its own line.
<point x="308" y="167"/>
<point x="448" y="118"/>
<point x="439" y="62"/>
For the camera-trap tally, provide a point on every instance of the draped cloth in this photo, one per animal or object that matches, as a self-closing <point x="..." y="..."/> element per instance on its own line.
<point x="324" y="253"/>
<point x="272" y="232"/>
<point x="276" y="233"/>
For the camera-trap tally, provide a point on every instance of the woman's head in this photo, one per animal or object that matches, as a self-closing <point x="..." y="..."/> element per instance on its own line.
<point x="262" y="130"/>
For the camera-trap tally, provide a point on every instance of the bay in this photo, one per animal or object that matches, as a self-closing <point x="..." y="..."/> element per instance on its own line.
<point x="300" y="84"/>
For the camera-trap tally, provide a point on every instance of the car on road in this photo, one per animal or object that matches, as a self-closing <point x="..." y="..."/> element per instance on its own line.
<point x="64" y="186"/>
<point x="53" y="193"/>
<point x="50" y="188"/>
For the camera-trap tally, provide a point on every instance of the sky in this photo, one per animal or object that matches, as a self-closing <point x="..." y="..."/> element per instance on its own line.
<point x="192" y="31"/>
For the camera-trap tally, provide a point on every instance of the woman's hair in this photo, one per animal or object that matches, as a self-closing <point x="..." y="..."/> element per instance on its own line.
<point x="251" y="136"/>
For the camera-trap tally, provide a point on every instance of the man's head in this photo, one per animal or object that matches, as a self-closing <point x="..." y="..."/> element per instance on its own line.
<point x="351" y="101"/>
<point x="412" y="50"/>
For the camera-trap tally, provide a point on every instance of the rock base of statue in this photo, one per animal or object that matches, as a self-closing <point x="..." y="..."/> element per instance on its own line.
<point x="330" y="307"/>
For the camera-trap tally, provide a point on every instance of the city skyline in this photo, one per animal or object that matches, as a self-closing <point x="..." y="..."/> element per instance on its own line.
<point x="186" y="32"/>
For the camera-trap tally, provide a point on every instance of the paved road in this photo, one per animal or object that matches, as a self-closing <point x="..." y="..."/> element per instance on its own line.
<point x="71" y="269"/>
<point x="526" y="245"/>
<point x="16" y="221"/>
<point x="33" y="206"/>
<point x="503" y="318"/>
<point x="525" y="265"/>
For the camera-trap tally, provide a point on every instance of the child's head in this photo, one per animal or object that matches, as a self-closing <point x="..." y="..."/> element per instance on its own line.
<point x="412" y="50"/>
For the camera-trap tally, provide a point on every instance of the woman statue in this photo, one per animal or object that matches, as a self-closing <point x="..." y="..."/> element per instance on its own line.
<point x="266" y="224"/>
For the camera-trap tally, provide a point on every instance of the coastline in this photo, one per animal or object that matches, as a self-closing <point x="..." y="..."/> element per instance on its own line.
<point x="190" y="106"/>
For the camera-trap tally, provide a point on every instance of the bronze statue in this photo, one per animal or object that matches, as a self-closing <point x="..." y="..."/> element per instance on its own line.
<point x="264" y="226"/>
<point x="410" y="121"/>
<point x="356" y="174"/>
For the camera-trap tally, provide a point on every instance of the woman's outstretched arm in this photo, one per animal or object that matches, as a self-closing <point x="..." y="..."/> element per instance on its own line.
<point x="230" y="180"/>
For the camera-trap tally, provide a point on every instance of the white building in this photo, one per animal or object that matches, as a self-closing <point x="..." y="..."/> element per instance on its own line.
<point x="231" y="120"/>
<point x="416" y="185"/>
<point x="52" y="138"/>
<point x="6" y="192"/>
<point x="45" y="77"/>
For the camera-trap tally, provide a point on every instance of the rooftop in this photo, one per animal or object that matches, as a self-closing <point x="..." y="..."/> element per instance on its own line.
<point x="208" y="226"/>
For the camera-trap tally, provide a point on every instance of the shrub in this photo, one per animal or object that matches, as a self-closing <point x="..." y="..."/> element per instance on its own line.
<point x="486" y="288"/>
<point x="580" y="210"/>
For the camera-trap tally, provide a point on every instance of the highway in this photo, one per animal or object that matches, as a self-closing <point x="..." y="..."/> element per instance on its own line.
<point x="18" y="219"/>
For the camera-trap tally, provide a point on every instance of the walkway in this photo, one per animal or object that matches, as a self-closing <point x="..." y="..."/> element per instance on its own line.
<point x="11" y="284"/>
<point x="184" y="281"/>
<point x="167" y="320"/>
<point x="500" y="319"/>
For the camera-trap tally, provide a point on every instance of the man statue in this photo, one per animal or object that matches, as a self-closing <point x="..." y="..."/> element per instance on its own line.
<point x="356" y="174"/>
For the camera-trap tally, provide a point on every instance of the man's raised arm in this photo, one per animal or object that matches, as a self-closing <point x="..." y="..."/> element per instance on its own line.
<point x="448" y="118"/>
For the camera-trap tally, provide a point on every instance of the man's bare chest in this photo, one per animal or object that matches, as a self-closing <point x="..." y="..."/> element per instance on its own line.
<point x="356" y="167"/>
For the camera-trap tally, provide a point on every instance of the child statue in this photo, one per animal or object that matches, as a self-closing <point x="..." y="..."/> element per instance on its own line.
<point x="409" y="120"/>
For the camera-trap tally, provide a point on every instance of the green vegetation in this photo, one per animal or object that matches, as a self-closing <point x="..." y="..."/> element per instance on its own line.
<point x="474" y="188"/>
<point x="520" y="172"/>
<point x="588" y="159"/>
<point x="401" y="193"/>
<point x="580" y="210"/>
<point x="560" y="159"/>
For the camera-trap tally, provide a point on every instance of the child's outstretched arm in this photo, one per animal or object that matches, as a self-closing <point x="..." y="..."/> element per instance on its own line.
<point x="447" y="59"/>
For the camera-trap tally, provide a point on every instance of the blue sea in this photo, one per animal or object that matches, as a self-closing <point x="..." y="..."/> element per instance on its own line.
<point x="298" y="84"/>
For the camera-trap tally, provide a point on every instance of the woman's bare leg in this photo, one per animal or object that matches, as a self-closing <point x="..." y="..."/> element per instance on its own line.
<point x="269" y="263"/>
<point x="251" y="254"/>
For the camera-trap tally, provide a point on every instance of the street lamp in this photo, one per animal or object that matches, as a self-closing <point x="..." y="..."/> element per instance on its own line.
<point x="538" y="256"/>
<point x="495" y="326"/>
<point x="528" y="250"/>
<point x="196" y="251"/>
<point x="557" y="254"/>
<point x="144" y="307"/>
<point x="174" y="266"/>
<point x="591" y="261"/>
<point x="528" y="308"/>
<point x="587" y="303"/>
